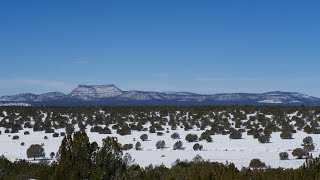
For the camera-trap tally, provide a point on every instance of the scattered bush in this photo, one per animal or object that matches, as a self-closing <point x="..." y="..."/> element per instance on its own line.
<point x="177" y="145"/>
<point x="46" y="137"/>
<point x="158" y="127"/>
<point x="187" y="127"/>
<point x="127" y="147"/>
<point x="256" y="134"/>
<point x="160" y="144"/>
<point x="205" y="135"/>
<point x="106" y="130"/>
<point x="95" y="129"/>
<point x="174" y="127"/>
<point x="308" y="147"/>
<point x="14" y="130"/>
<point x="209" y="139"/>
<point x="101" y="130"/>
<point x="299" y="153"/>
<point x="138" y="146"/>
<point x="152" y="130"/>
<point x="308" y="140"/>
<point x="264" y="139"/>
<point x="197" y="147"/>
<point x="197" y="159"/>
<point x="308" y="144"/>
<point x="159" y="133"/>
<point x="26" y="133"/>
<point x="191" y="137"/>
<point x="55" y="135"/>
<point x="224" y="132"/>
<point x="52" y="154"/>
<point x="175" y="136"/>
<point x="144" y="137"/>
<point x="49" y="131"/>
<point x="15" y="137"/>
<point x="286" y="135"/>
<point x="235" y="135"/>
<point x="22" y="144"/>
<point x="124" y="131"/>
<point x="35" y="151"/>
<point x="27" y="125"/>
<point x="62" y="134"/>
<point x="283" y="156"/>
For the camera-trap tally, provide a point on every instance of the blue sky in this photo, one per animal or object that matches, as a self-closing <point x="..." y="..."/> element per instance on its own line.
<point x="197" y="46"/>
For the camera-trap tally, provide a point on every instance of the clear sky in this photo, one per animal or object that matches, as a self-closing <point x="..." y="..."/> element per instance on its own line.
<point x="187" y="45"/>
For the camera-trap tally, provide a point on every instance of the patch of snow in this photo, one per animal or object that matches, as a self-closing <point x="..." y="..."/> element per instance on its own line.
<point x="271" y="101"/>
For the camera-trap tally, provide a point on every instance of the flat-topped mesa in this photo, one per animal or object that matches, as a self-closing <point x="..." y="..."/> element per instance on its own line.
<point x="96" y="91"/>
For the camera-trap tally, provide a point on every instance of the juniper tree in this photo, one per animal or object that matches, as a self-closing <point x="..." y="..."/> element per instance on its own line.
<point x="144" y="137"/>
<point x="191" y="137"/>
<point x="299" y="153"/>
<point x="160" y="144"/>
<point x="177" y="145"/>
<point x="175" y="136"/>
<point x="283" y="155"/>
<point x="35" y="151"/>
<point x="138" y="146"/>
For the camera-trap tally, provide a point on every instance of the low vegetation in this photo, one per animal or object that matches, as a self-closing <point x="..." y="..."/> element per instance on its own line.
<point x="235" y="122"/>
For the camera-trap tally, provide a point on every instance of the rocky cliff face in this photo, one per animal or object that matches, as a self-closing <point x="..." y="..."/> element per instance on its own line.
<point x="95" y="91"/>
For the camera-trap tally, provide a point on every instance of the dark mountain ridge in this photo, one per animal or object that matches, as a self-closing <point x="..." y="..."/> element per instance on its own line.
<point x="87" y="95"/>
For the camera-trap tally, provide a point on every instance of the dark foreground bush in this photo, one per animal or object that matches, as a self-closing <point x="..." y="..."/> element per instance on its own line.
<point x="257" y="164"/>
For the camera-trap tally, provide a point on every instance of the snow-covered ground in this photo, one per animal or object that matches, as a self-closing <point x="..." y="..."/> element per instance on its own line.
<point x="222" y="149"/>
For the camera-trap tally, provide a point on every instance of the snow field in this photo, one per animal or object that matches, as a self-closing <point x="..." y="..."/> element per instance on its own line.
<point x="222" y="149"/>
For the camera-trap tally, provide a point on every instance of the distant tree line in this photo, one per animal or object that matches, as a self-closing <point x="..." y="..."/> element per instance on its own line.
<point x="225" y="120"/>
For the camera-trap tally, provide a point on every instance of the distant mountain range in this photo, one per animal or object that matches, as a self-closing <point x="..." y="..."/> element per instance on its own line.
<point x="89" y="95"/>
